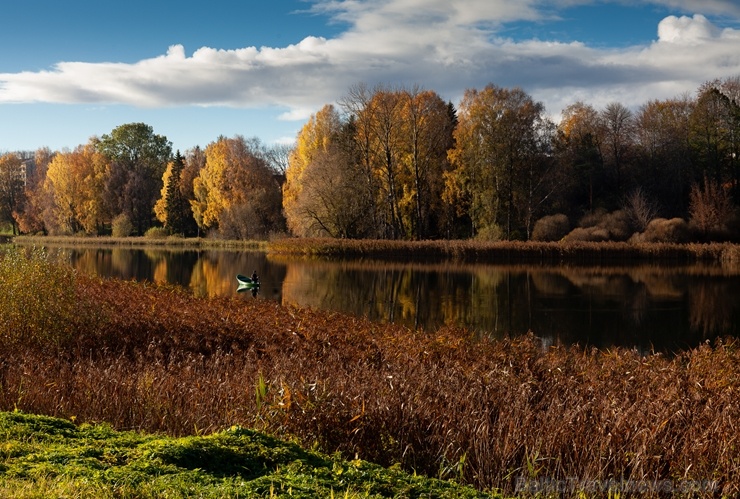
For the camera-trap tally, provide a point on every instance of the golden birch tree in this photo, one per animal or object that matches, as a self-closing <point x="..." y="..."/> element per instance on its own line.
<point x="314" y="139"/>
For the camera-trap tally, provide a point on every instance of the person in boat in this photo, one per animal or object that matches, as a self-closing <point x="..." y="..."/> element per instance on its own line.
<point x="255" y="277"/>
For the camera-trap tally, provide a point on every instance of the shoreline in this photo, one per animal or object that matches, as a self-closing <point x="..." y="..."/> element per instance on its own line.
<point x="468" y="251"/>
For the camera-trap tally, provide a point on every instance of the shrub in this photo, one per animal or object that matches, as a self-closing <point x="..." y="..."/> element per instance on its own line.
<point x="489" y="233"/>
<point x="711" y="209"/>
<point x="661" y="230"/>
<point x="38" y="298"/>
<point x="551" y="228"/>
<point x="156" y="233"/>
<point x="592" y="219"/>
<point x="601" y="226"/>
<point x="639" y="209"/>
<point x="122" y="226"/>
<point x="588" y="234"/>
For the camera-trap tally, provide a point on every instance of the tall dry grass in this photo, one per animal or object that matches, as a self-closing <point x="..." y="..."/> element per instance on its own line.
<point x="509" y="252"/>
<point x="153" y="239"/>
<point x="487" y="412"/>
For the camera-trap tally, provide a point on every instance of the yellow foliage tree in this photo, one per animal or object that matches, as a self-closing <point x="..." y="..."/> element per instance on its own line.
<point x="427" y="135"/>
<point x="236" y="192"/>
<point x="314" y="139"/>
<point x="499" y="159"/>
<point x="75" y="183"/>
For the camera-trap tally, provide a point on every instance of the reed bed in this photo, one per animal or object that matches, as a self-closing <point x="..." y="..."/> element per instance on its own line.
<point x="512" y="252"/>
<point x="470" y="251"/>
<point x="140" y="242"/>
<point x="494" y="414"/>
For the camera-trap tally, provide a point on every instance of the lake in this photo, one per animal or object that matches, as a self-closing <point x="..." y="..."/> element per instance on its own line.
<point x="647" y="307"/>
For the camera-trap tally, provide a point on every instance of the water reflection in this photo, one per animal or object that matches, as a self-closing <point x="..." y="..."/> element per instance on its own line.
<point x="646" y="307"/>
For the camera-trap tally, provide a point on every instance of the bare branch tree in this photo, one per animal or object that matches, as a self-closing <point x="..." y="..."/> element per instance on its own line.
<point x="640" y="209"/>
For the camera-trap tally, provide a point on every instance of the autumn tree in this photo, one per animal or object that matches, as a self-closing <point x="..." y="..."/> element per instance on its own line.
<point x="137" y="160"/>
<point x="618" y="128"/>
<point x="30" y="215"/>
<point x="173" y="208"/>
<point x="500" y="143"/>
<point x="663" y="152"/>
<point x="356" y="106"/>
<point x="333" y="199"/>
<point x="426" y="135"/>
<point x="11" y="188"/>
<point x="580" y="171"/>
<point x="314" y="139"/>
<point x="400" y="141"/>
<point x="386" y="106"/>
<point x="195" y="161"/>
<point x="712" y="134"/>
<point x="730" y="88"/>
<point x="62" y="187"/>
<point x="74" y="185"/>
<point x="236" y="192"/>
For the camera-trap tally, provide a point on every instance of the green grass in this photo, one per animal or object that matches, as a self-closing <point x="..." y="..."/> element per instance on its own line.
<point x="48" y="457"/>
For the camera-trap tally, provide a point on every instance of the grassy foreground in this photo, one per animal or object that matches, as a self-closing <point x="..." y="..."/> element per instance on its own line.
<point x="44" y="457"/>
<point x="491" y="414"/>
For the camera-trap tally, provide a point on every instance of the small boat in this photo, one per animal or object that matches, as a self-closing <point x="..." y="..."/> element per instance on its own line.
<point x="246" y="282"/>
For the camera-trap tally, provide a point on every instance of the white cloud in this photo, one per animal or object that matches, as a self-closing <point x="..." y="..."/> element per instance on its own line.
<point x="687" y="30"/>
<point x="296" y="114"/>
<point x="442" y="45"/>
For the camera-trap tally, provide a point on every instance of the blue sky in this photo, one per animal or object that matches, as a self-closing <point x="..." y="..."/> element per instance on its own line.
<point x="195" y="70"/>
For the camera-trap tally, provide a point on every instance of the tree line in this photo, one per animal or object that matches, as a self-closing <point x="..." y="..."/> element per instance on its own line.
<point x="130" y="182"/>
<point x="401" y="163"/>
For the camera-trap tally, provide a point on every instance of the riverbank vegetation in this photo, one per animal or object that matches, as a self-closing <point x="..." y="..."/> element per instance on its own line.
<point x="508" y="252"/>
<point x="470" y="251"/>
<point x="149" y="240"/>
<point x="492" y="414"/>
<point x="403" y="164"/>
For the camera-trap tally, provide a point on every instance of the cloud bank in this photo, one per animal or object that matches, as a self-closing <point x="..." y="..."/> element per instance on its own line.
<point x="444" y="46"/>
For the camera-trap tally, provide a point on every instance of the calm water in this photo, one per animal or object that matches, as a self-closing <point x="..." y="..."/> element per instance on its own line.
<point x="647" y="307"/>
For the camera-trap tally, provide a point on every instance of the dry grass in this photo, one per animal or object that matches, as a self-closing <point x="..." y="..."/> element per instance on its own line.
<point x="487" y="412"/>
<point x="509" y="252"/>
<point x="470" y="251"/>
<point x="153" y="240"/>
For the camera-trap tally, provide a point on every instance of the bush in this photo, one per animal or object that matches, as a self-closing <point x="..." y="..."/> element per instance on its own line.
<point x="661" y="230"/>
<point x="640" y="210"/>
<point x="489" y="233"/>
<point x="711" y="209"/>
<point x="551" y="228"/>
<point x="156" y="233"/>
<point x="38" y="299"/>
<point x="601" y="226"/>
<point x="592" y="219"/>
<point x="122" y="226"/>
<point x="587" y="234"/>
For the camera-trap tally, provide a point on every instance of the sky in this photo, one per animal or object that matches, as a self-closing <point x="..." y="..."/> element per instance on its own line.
<point x="194" y="71"/>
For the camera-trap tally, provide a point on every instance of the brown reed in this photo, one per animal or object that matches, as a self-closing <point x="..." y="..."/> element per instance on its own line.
<point x="510" y="252"/>
<point x="443" y="404"/>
